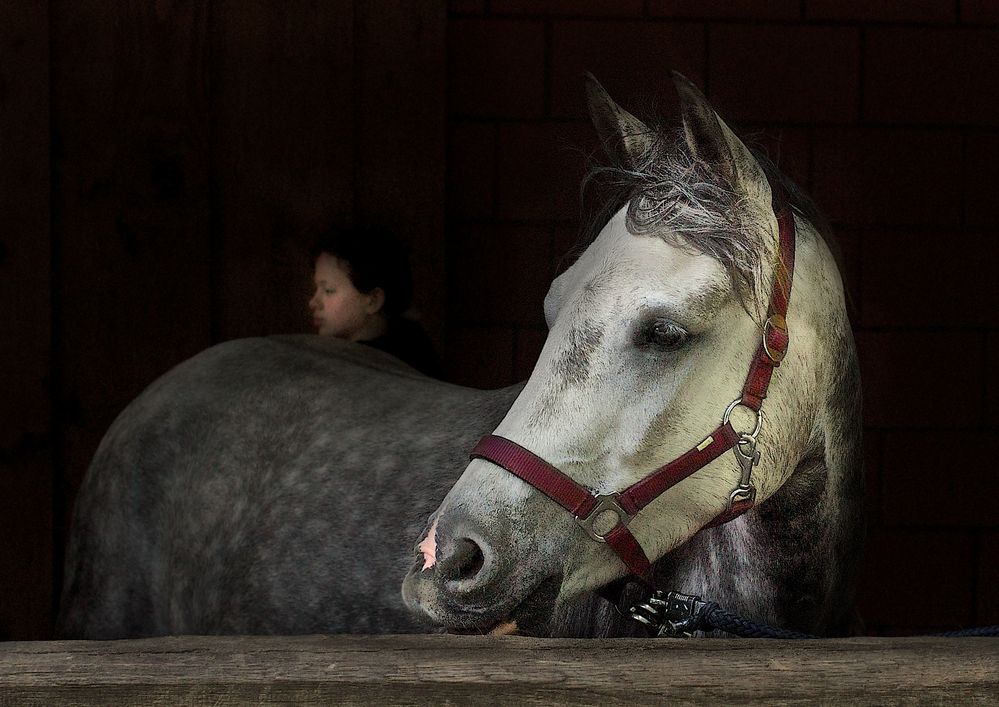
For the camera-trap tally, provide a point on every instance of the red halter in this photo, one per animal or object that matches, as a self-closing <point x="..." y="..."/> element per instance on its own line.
<point x="586" y="507"/>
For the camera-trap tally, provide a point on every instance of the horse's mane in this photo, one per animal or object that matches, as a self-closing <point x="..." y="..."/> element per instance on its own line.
<point x="671" y="194"/>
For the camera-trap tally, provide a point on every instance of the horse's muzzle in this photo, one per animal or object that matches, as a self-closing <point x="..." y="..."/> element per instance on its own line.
<point x="460" y="581"/>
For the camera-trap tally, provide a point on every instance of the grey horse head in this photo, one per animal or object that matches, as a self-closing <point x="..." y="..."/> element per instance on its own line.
<point x="611" y="399"/>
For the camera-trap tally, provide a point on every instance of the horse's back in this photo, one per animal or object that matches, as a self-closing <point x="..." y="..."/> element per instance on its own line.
<point x="266" y="485"/>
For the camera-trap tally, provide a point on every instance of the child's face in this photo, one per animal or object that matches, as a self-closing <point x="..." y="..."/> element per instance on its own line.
<point x="338" y="309"/>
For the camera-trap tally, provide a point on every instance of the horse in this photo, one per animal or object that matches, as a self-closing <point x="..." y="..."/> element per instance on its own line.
<point x="289" y="484"/>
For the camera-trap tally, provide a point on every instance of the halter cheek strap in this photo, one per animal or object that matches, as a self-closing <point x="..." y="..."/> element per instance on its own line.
<point x="588" y="508"/>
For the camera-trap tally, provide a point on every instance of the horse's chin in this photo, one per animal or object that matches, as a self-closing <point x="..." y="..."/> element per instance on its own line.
<point x="530" y="617"/>
<point x="534" y="613"/>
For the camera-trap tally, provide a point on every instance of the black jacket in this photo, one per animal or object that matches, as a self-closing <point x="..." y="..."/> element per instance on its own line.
<point x="406" y="340"/>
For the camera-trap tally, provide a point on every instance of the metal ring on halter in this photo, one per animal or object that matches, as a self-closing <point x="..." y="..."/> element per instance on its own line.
<point x="604" y="502"/>
<point x="759" y="417"/>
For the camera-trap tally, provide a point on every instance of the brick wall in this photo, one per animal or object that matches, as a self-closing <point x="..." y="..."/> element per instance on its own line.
<point x="886" y="112"/>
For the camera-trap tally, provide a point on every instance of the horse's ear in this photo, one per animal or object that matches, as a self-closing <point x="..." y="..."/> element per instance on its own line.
<point x="710" y="140"/>
<point x="624" y="136"/>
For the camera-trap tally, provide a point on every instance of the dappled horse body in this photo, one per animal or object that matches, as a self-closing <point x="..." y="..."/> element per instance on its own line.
<point x="287" y="485"/>
<point x="269" y="485"/>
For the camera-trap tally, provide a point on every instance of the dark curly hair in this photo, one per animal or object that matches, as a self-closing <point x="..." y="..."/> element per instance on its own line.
<point x="373" y="257"/>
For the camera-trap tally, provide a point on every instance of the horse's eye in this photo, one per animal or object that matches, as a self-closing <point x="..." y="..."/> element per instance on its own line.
<point x="663" y="334"/>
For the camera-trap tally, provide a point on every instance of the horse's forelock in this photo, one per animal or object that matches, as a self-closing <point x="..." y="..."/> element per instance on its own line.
<point x="672" y="195"/>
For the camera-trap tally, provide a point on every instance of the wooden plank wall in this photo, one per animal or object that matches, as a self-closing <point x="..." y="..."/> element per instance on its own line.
<point x="25" y="332"/>
<point x="364" y="670"/>
<point x="192" y="151"/>
<point x="401" y="67"/>
<point x="130" y="212"/>
<point x="282" y="154"/>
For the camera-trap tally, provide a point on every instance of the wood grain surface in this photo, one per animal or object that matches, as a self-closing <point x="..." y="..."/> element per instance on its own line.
<point x="444" y="669"/>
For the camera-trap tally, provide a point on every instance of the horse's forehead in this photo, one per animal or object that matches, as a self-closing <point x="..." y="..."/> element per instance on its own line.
<point x="623" y="262"/>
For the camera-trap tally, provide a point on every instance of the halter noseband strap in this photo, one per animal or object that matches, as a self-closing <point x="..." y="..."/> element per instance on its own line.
<point x="587" y="507"/>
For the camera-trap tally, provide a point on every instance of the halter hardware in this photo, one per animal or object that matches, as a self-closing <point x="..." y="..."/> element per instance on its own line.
<point x="747" y="457"/>
<point x="671" y="614"/>
<point x="605" y="502"/>
<point x="759" y="419"/>
<point x="774" y="326"/>
<point x="745" y="492"/>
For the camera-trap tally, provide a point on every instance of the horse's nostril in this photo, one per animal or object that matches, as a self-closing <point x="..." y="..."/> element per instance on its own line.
<point x="465" y="562"/>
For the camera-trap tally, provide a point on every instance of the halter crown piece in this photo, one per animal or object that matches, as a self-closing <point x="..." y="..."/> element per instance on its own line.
<point x="587" y="507"/>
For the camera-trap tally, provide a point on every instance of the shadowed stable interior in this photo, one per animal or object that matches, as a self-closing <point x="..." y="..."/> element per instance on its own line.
<point x="164" y="167"/>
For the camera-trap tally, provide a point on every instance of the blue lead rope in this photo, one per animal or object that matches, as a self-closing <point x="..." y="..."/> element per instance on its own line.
<point x="676" y="615"/>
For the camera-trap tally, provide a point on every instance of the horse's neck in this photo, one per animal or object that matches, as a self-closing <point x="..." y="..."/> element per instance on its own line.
<point x="771" y="565"/>
<point x="792" y="561"/>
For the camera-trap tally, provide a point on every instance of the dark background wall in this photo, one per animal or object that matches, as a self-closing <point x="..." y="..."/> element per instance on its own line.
<point x="164" y="164"/>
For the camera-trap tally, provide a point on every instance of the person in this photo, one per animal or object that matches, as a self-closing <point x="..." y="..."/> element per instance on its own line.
<point x="363" y="287"/>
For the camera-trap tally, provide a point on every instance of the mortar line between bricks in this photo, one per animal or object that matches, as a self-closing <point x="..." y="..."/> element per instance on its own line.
<point x="758" y="125"/>
<point x="498" y="119"/>
<point x="960" y="531"/>
<point x="494" y="182"/>
<point x="884" y="228"/>
<point x="986" y="335"/>
<point x="917" y="229"/>
<point x="511" y="371"/>
<point x="912" y="328"/>
<point x="465" y="14"/>
<point x="355" y="118"/>
<point x="861" y="72"/>
<point x="748" y="21"/>
<point x="984" y="402"/>
<point x="880" y="458"/>
<point x="548" y="33"/>
<point x="706" y="66"/>
<point x="858" y="303"/>
<point x="963" y="177"/>
<point x="810" y="165"/>
<point x="506" y="221"/>
<point x="976" y="560"/>
<point x="514" y="345"/>
<point x="910" y="428"/>
<point x="55" y="395"/>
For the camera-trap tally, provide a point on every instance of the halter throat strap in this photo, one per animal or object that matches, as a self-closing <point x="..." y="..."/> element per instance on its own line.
<point x="589" y="508"/>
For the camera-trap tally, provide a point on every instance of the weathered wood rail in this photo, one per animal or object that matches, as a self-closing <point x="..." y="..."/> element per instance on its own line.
<point x="487" y="670"/>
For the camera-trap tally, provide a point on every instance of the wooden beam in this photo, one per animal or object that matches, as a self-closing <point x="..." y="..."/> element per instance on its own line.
<point x="483" y="670"/>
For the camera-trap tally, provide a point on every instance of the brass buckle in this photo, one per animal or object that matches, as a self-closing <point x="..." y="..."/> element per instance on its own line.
<point x="778" y="322"/>
<point x="606" y="502"/>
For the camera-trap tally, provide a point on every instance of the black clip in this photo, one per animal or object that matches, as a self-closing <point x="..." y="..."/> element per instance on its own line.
<point x="671" y="614"/>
